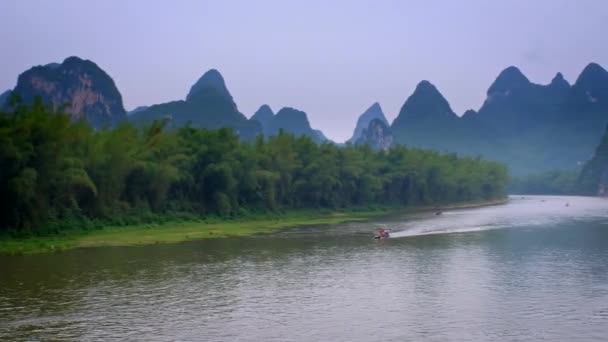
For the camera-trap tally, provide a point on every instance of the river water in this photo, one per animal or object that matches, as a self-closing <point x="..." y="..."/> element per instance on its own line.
<point x="533" y="269"/>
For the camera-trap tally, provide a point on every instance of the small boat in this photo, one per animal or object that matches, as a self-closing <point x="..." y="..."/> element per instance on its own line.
<point x="382" y="234"/>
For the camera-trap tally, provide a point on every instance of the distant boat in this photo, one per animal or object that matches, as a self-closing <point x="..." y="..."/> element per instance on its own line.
<point x="382" y="234"/>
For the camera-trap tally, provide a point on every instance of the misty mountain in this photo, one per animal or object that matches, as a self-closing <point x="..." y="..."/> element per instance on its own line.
<point x="287" y="119"/>
<point x="263" y="115"/>
<point x="377" y="135"/>
<point x="208" y="104"/>
<point x="373" y="112"/>
<point x="426" y="120"/>
<point x="531" y="127"/>
<point x="292" y="121"/>
<point x="594" y="177"/>
<point x="137" y="110"/>
<point x="513" y="103"/>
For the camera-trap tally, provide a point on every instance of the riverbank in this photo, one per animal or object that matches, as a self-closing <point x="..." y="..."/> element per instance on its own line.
<point x="173" y="232"/>
<point x="467" y="205"/>
<point x="178" y="231"/>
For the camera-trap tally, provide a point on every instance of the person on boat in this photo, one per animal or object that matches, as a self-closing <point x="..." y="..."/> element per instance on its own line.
<point x="385" y="233"/>
<point x="380" y="233"/>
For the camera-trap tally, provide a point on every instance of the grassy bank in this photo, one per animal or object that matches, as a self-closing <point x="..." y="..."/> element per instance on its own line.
<point x="171" y="232"/>
<point x="178" y="231"/>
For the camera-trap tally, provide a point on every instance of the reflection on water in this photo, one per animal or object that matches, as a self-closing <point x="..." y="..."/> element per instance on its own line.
<point x="529" y="270"/>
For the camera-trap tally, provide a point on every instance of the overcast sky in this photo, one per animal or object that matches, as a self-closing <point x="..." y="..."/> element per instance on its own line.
<point x="331" y="59"/>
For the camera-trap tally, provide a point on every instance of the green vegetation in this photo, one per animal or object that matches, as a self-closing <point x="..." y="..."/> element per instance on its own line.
<point x="176" y="231"/>
<point x="547" y="183"/>
<point x="57" y="175"/>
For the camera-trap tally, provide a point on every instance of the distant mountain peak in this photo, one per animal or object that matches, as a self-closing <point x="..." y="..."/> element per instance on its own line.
<point x="89" y="91"/>
<point x="293" y="113"/>
<point x="266" y="107"/>
<point x="427" y="102"/>
<point x="70" y="59"/>
<point x="263" y="115"/>
<point x="508" y="79"/>
<point x="594" y="68"/>
<point x="291" y="121"/>
<point x="212" y="81"/>
<point x="559" y="80"/>
<point x="559" y="83"/>
<point x="52" y="65"/>
<point x="377" y="135"/>
<point x="426" y="88"/>
<point x="592" y="73"/>
<point x="373" y="112"/>
<point x="591" y="85"/>
<point x="208" y="105"/>
<point x="425" y="107"/>
<point x="375" y="107"/>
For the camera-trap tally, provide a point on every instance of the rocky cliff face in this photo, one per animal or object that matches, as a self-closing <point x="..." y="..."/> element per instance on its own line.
<point x="89" y="92"/>
<point x="377" y="135"/>
<point x="373" y="112"/>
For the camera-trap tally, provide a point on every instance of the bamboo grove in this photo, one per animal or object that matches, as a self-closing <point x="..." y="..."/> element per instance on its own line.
<point x="54" y="170"/>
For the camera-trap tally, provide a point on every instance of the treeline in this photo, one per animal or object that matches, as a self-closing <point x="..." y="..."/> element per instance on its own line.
<point x="53" y="170"/>
<point x="557" y="182"/>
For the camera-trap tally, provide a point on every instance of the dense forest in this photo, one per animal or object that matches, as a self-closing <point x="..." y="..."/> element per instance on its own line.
<point x="54" y="172"/>
<point x="557" y="182"/>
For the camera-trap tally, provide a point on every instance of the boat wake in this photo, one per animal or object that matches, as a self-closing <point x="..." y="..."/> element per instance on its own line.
<point x="527" y="212"/>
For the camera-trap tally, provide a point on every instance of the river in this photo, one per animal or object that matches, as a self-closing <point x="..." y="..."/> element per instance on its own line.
<point x="533" y="269"/>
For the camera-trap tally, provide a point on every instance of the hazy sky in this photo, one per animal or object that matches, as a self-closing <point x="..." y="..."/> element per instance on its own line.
<point x="331" y="59"/>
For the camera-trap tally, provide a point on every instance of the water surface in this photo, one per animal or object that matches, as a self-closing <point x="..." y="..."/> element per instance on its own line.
<point x="534" y="269"/>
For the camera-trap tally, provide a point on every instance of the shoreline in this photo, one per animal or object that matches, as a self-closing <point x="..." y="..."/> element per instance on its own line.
<point x="175" y="232"/>
<point x="476" y="204"/>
